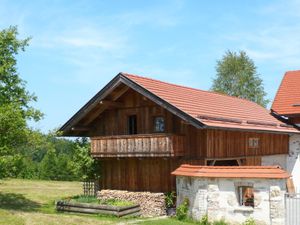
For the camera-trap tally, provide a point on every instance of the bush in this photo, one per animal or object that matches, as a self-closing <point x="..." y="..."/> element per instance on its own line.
<point x="204" y="220"/>
<point x="182" y="210"/>
<point x="249" y="221"/>
<point x="170" y="197"/>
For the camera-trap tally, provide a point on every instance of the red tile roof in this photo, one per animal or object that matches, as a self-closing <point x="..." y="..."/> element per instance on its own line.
<point x="287" y="99"/>
<point x="269" y="172"/>
<point x="213" y="109"/>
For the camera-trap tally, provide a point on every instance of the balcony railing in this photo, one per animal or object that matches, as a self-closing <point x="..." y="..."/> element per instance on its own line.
<point x="141" y="145"/>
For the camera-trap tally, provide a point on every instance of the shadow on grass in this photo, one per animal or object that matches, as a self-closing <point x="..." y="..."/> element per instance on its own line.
<point x="12" y="201"/>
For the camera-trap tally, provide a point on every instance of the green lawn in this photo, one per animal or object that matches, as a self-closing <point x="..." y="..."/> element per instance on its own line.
<point x="32" y="202"/>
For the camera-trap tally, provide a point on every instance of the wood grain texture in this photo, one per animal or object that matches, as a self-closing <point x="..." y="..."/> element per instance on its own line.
<point x="226" y="144"/>
<point x="141" y="174"/>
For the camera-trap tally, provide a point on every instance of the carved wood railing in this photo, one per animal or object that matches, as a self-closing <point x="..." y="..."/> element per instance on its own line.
<point x="141" y="145"/>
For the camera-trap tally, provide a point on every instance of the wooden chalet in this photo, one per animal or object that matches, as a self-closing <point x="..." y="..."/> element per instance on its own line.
<point x="286" y="104"/>
<point x="143" y="129"/>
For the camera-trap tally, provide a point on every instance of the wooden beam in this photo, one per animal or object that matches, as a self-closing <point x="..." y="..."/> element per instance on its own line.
<point x="111" y="103"/>
<point x="120" y="93"/>
<point x="106" y="103"/>
<point x="80" y="128"/>
<point x="95" y="114"/>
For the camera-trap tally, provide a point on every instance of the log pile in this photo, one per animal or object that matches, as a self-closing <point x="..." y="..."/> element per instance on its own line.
<point x="119" y="211"/>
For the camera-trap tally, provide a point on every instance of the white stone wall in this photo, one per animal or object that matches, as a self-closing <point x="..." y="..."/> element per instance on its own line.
<point x="290" y="162"/>
<point x="293" y="161"/>
<point x="218" y="199"/>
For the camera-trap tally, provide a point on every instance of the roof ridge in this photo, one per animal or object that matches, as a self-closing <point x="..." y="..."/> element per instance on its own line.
<point x="191" y="88"/>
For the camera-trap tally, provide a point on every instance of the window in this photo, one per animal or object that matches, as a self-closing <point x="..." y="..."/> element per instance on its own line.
<point x="159" y="124"/>
<point x="245" y="196"/>
<point x="132" y="124"/>
<point x="253" y="142"/>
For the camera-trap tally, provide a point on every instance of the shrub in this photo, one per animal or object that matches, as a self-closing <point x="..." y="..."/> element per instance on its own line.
<point x="170" y="196"/>
<point x="204" y="220"/>
<point x="182" y="210"/>
<point x="249" y="221"/>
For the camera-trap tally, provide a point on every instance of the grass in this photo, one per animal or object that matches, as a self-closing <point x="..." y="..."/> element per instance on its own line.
<point x="24" y="202"/>
<point x="85" y="199"/>
<point x="94" y="200"/>
<point x="116" y="202"/>
<point x="32" y="202"/>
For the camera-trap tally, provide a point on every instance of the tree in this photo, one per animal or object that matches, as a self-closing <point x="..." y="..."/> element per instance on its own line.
<point x="12" y="87"/>
<point x="15" y="101"/>
<point x="237" y="76"/>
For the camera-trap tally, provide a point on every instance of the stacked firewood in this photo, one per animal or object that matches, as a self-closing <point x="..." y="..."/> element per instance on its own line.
<point x="152" y="204"/>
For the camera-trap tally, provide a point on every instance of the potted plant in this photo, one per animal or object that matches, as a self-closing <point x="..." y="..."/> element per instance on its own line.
<point x="170" y="203"/>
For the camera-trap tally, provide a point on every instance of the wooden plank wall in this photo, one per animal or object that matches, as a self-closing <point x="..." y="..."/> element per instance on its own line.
<point x="113" y="121"/>
<point x="222" y="144"/>
<point x="146" y="174"/>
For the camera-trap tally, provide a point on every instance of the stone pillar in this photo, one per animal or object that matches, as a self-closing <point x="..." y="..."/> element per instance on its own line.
<point x="213" y="202"/>
<point x="277" y="207"/>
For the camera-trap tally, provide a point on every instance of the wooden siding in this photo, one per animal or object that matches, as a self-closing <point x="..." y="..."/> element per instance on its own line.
<point x="114" y="120"/>
<point x="226" y="144"/>
<point x="150" y="145"/>
<point x="141" y="174"/>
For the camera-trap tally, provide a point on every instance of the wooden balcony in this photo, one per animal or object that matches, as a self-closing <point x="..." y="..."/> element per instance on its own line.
<point x="141" y="145"/>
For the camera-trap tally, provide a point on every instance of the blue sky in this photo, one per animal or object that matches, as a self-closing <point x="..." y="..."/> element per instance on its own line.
<point x="78" y="46"/>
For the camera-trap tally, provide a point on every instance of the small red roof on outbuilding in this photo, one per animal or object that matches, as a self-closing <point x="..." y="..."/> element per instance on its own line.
<point x="287" y="99"/>
<point x="259" y="172"/>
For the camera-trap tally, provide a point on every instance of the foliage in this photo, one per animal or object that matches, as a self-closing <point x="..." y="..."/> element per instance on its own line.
<point x="170" y="197"/>
<point x="116" y="202"/>
<point x="14" y="133"/>
<point x="204" y="220"/>
<point x="249" y="221"/>
<point x="82" y="164"/>
<point x="92" y="199"/>
<point x="237" y="76"/>
<point x="52" y="158"/>
<point x="182" y="210"/>
<point x="12" y="87"/>
<point x="15" y="107"/>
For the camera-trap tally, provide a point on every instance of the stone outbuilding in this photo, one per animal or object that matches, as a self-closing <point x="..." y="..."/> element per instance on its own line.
<point x="233" y="193"/>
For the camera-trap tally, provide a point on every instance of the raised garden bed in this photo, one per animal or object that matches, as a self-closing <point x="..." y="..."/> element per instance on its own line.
<point x="115" y="208"/>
